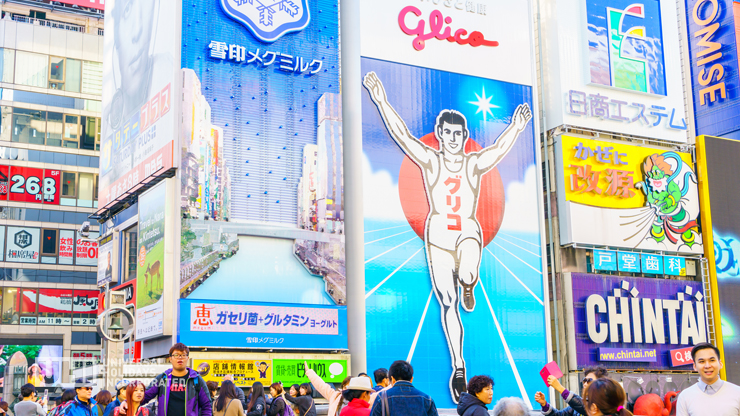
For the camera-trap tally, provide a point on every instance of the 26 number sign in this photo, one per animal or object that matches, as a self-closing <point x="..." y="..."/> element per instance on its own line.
<point x="34" y="185"/>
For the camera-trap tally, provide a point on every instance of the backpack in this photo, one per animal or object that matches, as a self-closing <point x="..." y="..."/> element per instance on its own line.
<point x="287" y="410"/>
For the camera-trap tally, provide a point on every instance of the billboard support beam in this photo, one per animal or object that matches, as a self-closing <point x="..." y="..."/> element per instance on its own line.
<point x="352" y="131"/>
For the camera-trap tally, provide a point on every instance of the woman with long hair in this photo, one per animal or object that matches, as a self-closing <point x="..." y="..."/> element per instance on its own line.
<point x="605" y="396"/>
<point x="257" y="404"/>
<point x="225" y="405"/>
<point x="304" y="400"/>
<point x="134" y="396"/>
<point x="103" y="399"/>
<point x="35" y="377"/>
<point x="277" y="407"/>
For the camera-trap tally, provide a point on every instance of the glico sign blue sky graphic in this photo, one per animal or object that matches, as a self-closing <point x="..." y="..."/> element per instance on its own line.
<point x="629" y="51"/>
<point x="269" y="20"/>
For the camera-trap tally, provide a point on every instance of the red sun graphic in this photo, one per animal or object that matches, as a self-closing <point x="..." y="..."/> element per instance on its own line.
<point x="415" y="204"/>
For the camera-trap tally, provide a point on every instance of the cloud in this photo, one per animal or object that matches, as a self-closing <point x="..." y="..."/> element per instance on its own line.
<point x="380" y="194"/>
<point x="522" y="207"/>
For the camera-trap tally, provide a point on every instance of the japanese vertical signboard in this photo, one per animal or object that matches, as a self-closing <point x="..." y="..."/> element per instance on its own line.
<point x="105" y="260"/>
<point x="261" y="177"/>
<point x="632" y="323"/>
<point x="66" y="246"/>
<point x="139" y="93"/>
<point x="717" y="160"/>
<point x="87" y="250"/>
<point x="453" y="252"/>
<point x="150" y="263"/>
<point x="621" y="195"/>
<point x="617" y="71"/>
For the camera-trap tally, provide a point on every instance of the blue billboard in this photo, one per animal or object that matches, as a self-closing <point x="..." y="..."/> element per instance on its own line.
<point x="206" y="323"/>
<point x="714" y="66"/>
<point x="261" y="170"/>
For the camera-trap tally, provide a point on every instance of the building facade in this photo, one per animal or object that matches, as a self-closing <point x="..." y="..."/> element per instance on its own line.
<point x="52" y="75"/>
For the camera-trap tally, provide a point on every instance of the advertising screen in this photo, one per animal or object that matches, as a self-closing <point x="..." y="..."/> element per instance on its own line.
<point x="44" y="362"/>
<point x="713" y="51"/>
<point x="453" y="255"/>
<point x="630" y="323"/>
<point x="623" y="195"/>
<point x="717" y="157"/>
<point x="261" y="149"/>
<point x="139" y="73"/>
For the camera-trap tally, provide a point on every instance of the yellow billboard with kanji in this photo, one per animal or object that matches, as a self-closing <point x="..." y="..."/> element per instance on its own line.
<point x="620" y="194"/>
<point x="244" y="373"/>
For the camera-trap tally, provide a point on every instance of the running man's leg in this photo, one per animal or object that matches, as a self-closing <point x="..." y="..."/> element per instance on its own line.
<point x="469" y="253"/>
<point x="442" y="267"/>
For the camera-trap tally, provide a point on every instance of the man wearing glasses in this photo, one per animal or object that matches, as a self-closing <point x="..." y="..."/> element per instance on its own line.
<point x="83" y="404"/>
<point x="176" y="385"/>
<point x="574" y="401"/>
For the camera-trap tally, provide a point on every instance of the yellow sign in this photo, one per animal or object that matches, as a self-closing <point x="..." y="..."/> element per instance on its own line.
<point x="609" y="174"/>
<point x="244" y="372"/>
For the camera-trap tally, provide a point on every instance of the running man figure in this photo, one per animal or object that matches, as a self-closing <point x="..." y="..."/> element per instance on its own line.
<point x="452" y="234"/>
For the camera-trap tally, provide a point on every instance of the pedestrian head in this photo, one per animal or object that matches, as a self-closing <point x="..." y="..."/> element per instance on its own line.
<point x="4" y="406"/>
<point x="482" y="388"/>
<point x="510" y="406"/>
<point x="305" y="389"/>
<point x="28" y="390"/>
<point x="605" y="396"/>
<point x="227" y="392"/>
<point x="68" y="395"/>
<point x="706" y="362"/>
<point x="381" y="377"/>
<point x="357" y="388"/>
<point x="121" y="390"/>
<point x="276" y="389"/>
<point x="134" y="396"/>
<point x="366" y="376"/>
<point x="212" y="388"/>
<point x="592" y="373"/>
<point x="83" y="389"/>
<point x="103" y="398"/>
<point x="258" y="390"/>
<point x="179" y="356"/>
<point x="401" y="371"/>
<point x="295" y="390"/>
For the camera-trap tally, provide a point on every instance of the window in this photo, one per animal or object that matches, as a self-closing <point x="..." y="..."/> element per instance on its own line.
<point x="31" y="69"/>
<point x="74" y="72"/>
<point x="69" y="184"/>
<point x="71" y="131"/>
<point x="7" y="65"/>
<point x="56" y="72"/>
<point x="49" y="242"/>
<point x="86" y="193"/>
<point x="85" y="338"/>
<point x="131" y="248"/>
<point x="95" y="188"/>
<point x="92" y="78"/>
<point x="6" y="122"/>
<point x="54" y="129"/>
<point x="29" y="126"/>
<point x="89" y="133"/>
<point x="10" y="305"/>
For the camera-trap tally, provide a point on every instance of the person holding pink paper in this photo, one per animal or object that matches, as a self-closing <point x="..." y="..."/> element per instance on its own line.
<point x="575" y="403"/>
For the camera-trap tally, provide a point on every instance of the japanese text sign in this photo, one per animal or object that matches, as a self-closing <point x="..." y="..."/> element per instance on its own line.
<point x="652" y="264"/>
<point x="674" y="266"/>
<point x="263" y="319"/>
<point x="629" y="262"/>
<point x="294" y="371"/>
<point x="605" y="260"/>
<point x="244" y="372"/>
<point x="31" y="185"/>
<point x="681" y="356"/>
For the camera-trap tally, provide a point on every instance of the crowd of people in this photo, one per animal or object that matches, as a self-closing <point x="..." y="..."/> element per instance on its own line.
<point x="181" y="391"/>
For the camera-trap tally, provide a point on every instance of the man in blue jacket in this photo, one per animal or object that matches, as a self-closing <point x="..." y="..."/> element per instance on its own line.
<point x="180" y="391"/>
<point x="83" y="404"/>
<point x="403" y="399"/>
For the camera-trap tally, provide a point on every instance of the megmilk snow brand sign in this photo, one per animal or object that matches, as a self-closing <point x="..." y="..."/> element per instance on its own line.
<point x="633" y="322"/>
<point x="450" y="194"/>
<point x="622" y="195"/>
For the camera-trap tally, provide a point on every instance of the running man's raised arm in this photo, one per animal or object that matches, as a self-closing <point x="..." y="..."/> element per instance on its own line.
<point x="414" y="148"/>
<point x="489" y="157"/>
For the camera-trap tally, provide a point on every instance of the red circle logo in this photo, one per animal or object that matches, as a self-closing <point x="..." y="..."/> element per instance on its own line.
<point x="411" y="190"/>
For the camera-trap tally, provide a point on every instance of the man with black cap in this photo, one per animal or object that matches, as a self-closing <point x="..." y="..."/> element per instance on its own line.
<point x="83" y="404"/>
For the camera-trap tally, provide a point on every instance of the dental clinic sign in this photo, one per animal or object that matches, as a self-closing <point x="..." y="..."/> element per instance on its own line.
<point x="634" y="322"/>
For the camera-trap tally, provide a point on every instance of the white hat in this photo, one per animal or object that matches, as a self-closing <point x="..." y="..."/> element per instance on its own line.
<point x="359" y="383"/>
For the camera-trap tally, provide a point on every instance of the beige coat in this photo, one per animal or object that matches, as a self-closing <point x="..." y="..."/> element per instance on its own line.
<point x="233" y="408"/>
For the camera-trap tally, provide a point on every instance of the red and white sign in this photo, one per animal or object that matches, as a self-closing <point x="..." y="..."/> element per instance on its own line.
<point x="33" y="185"/>
<point x="222" y="317"/>
<point x="55" y="300"/>
<point x="93" y="4"/>
<point x="159" y="162"/>
<point x="85" y="301"/>
<point x="66" y="246"/>
<point x="4" y="184"/>
<point x="87" y="250"/>
<point x="681" y="356"/>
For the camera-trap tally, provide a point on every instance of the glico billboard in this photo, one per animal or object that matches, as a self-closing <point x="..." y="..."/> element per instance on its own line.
<point x="261" y="175"/>
<point x="453" y="236"/>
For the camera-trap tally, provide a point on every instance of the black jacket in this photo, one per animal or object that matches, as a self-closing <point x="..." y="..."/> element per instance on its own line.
<point x="259" y="407"/>
<point x="470" y="405"/>
<point x="277" y="407"/>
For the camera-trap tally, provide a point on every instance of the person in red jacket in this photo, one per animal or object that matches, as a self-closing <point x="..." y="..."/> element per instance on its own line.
<point x="357" y="396"/>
